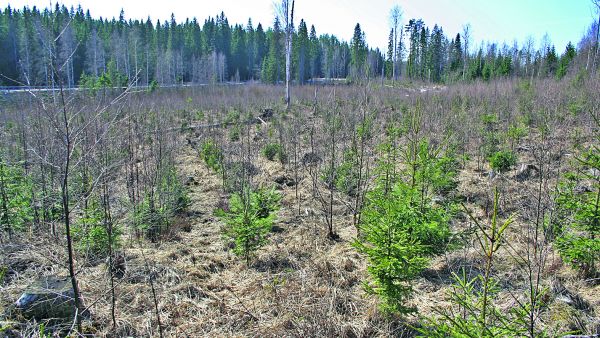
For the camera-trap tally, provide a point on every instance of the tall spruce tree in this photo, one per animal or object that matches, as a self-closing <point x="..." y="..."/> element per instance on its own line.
<point x="302" y="54"/>
<point x="175" y="52"/>
<point x="358" y="52"/>
<point x="316" y="54"/>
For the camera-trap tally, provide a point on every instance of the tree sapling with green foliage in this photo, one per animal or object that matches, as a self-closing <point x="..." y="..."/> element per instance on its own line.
<point x="249" y="219"/>
<point x="15" y="198"/>
<point x="578" y="218"/>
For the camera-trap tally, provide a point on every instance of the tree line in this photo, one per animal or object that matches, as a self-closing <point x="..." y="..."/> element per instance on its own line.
<point x="112" y="51"/>
<point x="431" y="56"/>
<point x="167" y="52"/>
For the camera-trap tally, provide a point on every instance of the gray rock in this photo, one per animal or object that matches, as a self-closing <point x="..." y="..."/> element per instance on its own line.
<point x="311" y="159"/>
<point x="492" y="174"/>
<point x="284" y="180"/>
<point x="191" y="181"/>
<point x="118" y="265"/>
<point x="266" y="113"/>
<point x="526" y="171"/>
<point x="582" y="189"/>
<point x="49" y="297"/>
<point x="191" y="142"/>
<point x="564" y="295"/>
<point x="564" y="299"/>
<point x="438" y="199"/>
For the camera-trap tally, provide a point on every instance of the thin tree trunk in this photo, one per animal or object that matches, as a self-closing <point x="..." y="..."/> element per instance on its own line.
<point x="5" y="212"/>
<point x="331" y="233"/>
<point x="597" y="40"/>
<point x="109" y="229"/>
<point x="153" y="289"/>
<point x="66" y="210"/>
<point x="288" y="52"/>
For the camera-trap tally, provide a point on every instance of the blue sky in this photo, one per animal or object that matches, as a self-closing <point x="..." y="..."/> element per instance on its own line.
<point x="490" y="20"/>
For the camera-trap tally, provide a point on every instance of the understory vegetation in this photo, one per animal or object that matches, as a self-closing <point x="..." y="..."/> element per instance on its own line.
<point x="188" y="179"/>
<point x="412" y="214"/>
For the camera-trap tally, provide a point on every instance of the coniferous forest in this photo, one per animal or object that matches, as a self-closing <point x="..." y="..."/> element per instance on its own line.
<point x="170" y="52"/>
<point x="215" y="179"/>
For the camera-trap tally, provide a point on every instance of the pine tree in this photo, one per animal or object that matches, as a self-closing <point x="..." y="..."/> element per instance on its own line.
<point x="389" y="62"/>
<point x="423" y="60"/>
<point x="414" y="29"/>
<point x="302" y="53"/>
<point x="172" y="52"/>
<point x="239" y="54"/>
<point x="566" y="60"/>
<point x="260" y="41"/>
<point x="436" y="54"/>
<point x="272" y="71"/>
<point x="550" y="61"/>
<point x="457" y="56"/>
<point x="358" y="52"/>
<point x="249" y="219"/>
<point x="251" y="50"/>
<point x="316" y="54"/>
<point x="223" y="41"/>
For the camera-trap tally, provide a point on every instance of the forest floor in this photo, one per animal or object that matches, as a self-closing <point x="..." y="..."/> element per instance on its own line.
<point x="301" y="284"/>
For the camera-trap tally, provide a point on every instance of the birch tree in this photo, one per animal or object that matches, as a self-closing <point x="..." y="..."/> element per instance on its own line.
<point x="466" y="37"/>
<point x="596" y="45"/>
<point x="395" y="18"/>
<point x="285" y="12"/>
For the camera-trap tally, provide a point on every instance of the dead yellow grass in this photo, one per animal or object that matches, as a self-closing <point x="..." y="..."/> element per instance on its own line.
<point x="299" y="285"/>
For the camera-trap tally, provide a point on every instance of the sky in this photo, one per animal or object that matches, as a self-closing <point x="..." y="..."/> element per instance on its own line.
<point x="491" y="20"/>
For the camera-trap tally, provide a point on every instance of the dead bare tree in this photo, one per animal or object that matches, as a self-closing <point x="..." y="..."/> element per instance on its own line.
<point x="597" y="44"/>
<point x="364" y="135"/>
<point x="466" y="41"/>
<point x="68" y="149"/>
<point x="333" y="126"/>
<point x="70" y="126"/>
<point x="151" y="276"/>
<point x="295" y="131"/>
<point x="395" y="18"/>
<point x="67" y="134"/>
<point x="285" y="12"/>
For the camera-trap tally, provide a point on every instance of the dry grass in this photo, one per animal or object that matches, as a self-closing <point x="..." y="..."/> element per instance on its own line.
<point x="300" y="284"/>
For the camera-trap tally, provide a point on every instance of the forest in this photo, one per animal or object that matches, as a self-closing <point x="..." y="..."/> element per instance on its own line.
<point x="175" y="179"/>
<point x="114" y="51"/>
